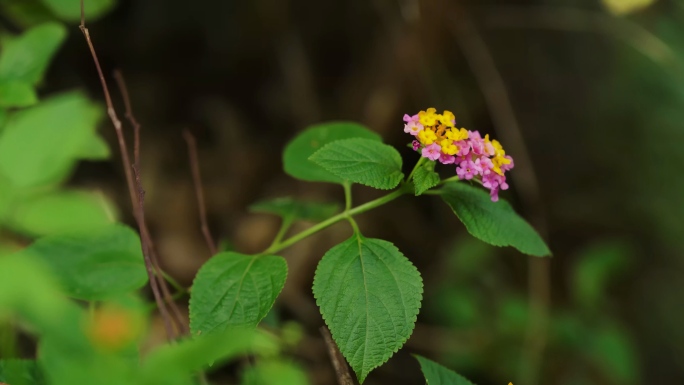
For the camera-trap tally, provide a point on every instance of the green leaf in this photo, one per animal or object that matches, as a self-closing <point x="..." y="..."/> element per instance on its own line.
<point x="3" y="119"/>
<point x="20" y="372"/>
<point x="26" y="58"/>
<point x="611" y="349"/>
<point x="297" y="152"/>
<point x="40" y="144"/>
<point x="173" y="364"/>
<point x="291" y="209"/>
<point x="369" y="295"/>
<point x="61" y="211"/>
<point x="425" y="177"/>
<point x="15" y="93"/>
<point x="364" y="161"/>
<point x="96" y="264"/>
<point x="95" y="148"/>
<point x="274" y="373"/>
<point x="26" y="13"/>
<point x="595" y="268"/>
<point x="493" y="222"/>
<point x="436" y="374"/>
<point x="28" y="290"/>
<point x="235" y="289"/>
<point x="70" y="10"/>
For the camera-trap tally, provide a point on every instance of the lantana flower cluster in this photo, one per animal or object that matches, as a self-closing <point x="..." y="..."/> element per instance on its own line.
<point x="438" y="139"/>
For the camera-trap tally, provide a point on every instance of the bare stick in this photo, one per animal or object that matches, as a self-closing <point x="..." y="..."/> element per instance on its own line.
<point x="199" y="191"/>
<point x="136" y="198"/>
<point x="168" y="297"/>
<point x="500" y="107"/>
<point x="129" y="115"/>
<point x="579" y="20"/>
<point x="340" y="365"/>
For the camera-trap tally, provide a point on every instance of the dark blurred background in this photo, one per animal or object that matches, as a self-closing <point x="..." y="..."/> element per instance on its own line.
<point x="588" y="97"/>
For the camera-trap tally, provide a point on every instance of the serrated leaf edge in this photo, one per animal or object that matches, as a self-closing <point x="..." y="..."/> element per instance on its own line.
<point x="254" y="258"/>
<point x="413" y="321"/>
<point x="313" y="157"/>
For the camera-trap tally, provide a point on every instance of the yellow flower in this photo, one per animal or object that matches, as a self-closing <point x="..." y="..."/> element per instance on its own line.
<point x="456" y="134"/>
<point x="498" y="149"/>
<point x="427" y="137"/>
<point x="447" y="118"/>
<point x="448" y="147"/>
<point x="499" y="161"/>
<point x="428" y="118"/>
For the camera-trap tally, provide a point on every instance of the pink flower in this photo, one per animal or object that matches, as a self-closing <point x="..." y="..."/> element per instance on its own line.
<point x="476" y="142"/>
<point x="494" y="194"/>
<point x="432" y="152"/>
<point x="408" y="118"/>
<point x="467" y="170"/>
<point x="486" y="165"/>
<point x="416" y="145"/>
<point x="447" y="159"/>
<point x="463" y="147"/>
<point x="413" y="128"/>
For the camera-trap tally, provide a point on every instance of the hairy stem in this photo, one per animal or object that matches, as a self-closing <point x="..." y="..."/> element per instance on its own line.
<point x="334" y="219"/>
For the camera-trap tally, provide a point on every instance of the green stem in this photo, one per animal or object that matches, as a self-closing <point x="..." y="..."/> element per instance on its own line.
<point x="447" y="180"/>
<point x="347" y="195"/>
<point x="334" y="219"/>
<point x="173" y="282"/>
<point x="284" y="226"/>
<point x="354" y="226"/>
<point x="418" y="163"/>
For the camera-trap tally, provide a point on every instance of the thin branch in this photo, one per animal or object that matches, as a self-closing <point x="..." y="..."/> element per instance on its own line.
<point x="168" y="297"/>
<point x="137" y="199"/>
<point x="129" y="115"/>
<point x="493" y="88"/>
<point x="344" y="377"/>
<point x="579" y="20"/>
<point x="199" y="191"/>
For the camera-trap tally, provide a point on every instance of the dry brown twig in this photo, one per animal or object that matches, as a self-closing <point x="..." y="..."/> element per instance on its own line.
<point x="137" y="194"/>
<point x="199" y="191"/>
<point x="168" y="297"/>
<point x="495" y="94"/>
<point x="344" y="377"/>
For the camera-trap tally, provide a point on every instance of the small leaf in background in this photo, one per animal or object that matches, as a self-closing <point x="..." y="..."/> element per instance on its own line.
<point x="595" y="268"/>
<point x="173" y="364"/>
<point x="61" y="211"/>
<point x="611" y="350"/>
<point x="26" y="13"/>
<point x="513" y="315"/>
<point x="26" y="57"/>
<point x="425" y="178"/>
<point x="297" y="152"/>
<point x="235" y="289"/>
<point x="292" y="209"/>
<point x="40" y="144"/>
<point x="469" y="257"/>
<point x="70" y="10"/>
<point x="493" y="222"/>
<point x="624" y="7"/>
<point x="3" y="119"/>
<point x="95" y="264"/>
<point x="369" y="295"/>
<point x="16" y="93"/>
<point x="274" y="373"/>
<point x="363" y="161"/>
<point x="95" y="148"/>
<point x="20" y="372"/>
<point x="436" y="374"/>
